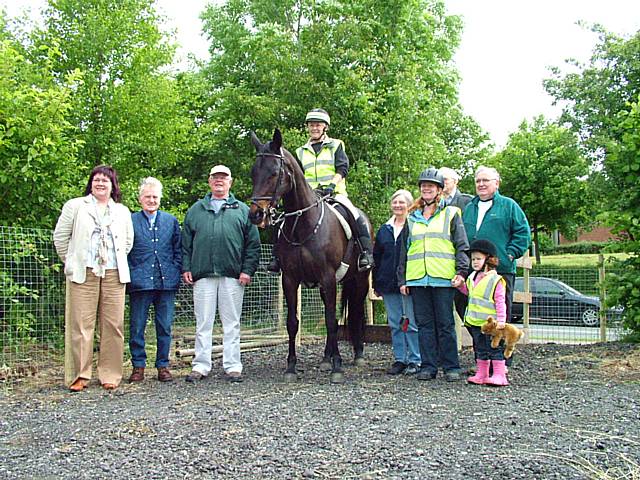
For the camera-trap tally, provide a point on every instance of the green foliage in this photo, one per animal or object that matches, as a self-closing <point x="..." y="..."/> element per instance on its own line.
<point x="580" y="248"/>
<point x="382" y="69"/>
<point x="622" y="165"/>
<point x="543" y="169"/>
<point x="38" y="148"/>
<point x="126" y="109"/>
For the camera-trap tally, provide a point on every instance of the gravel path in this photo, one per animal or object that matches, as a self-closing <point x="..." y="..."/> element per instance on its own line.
<point x="571" y="412"/>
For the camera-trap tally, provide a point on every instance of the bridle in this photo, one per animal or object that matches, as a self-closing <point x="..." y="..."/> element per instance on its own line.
<point x="271" y="209"/>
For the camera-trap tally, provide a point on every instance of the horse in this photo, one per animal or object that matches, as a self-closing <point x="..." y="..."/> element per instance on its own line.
<point x="312" y="247"/>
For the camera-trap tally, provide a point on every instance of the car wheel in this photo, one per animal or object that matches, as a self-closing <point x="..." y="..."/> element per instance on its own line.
<point x="590" y="317"/>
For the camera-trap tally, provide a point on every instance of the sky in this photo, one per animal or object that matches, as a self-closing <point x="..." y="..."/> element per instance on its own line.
<point x="506" y="49"/>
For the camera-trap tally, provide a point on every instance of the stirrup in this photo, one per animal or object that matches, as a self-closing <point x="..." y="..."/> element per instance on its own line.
<point x="365" y="261"/>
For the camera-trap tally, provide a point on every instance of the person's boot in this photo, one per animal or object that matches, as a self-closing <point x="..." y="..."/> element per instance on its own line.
<point x="482" y="372"/>
<point x="499" y="377"/>
<point x="365" y="261"/>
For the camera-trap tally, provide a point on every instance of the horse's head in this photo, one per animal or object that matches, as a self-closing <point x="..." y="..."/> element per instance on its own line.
<point x="271" y="178"/>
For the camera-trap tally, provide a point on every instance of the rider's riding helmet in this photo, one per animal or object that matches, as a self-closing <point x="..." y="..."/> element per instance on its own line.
<point x="484" y="246"/>
<point x="318" y="115"/>
<point x="432" y="175"/>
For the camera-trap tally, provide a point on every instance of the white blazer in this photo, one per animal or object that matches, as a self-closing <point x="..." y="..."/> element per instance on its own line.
<point x="72" y="236"/>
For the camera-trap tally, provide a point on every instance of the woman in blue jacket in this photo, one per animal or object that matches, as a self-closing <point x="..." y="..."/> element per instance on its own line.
<point x="386" y="252"/>
<point x="155" y="263"/>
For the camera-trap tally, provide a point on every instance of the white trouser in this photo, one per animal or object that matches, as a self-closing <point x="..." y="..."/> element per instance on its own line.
<point x="344" y="200"/>
<point x="226" y="295"/>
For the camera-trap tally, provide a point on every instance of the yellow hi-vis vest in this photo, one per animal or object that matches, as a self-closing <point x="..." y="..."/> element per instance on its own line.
<point x="320" y="169"/>
<point x="481" y="304"/>
<point x="431" y="251"/>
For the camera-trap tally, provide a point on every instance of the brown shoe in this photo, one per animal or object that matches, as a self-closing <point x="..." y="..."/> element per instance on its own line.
<point x="164" y="375"/>
<point x="137" y="375"/>
<point x="79" y="385"/>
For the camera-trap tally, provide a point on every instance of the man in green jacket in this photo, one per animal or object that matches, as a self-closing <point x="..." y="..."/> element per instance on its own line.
<point x="220" y="253"/>
<point x="500" y="219"/>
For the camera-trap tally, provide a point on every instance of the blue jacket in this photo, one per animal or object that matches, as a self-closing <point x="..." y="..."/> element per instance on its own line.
<point x="386" y="254"/>
<point x="505" y="224"/>
<point x="156" y="252"/>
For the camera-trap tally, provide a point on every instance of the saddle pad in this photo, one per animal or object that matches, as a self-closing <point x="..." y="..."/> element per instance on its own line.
<point x="343" y="221"/>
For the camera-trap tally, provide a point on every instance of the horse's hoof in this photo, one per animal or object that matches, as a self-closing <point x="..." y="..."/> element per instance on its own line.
<point x="290" y="377"/>
<point x="359" y="362"/>
<point x="337" y="377"/>
<point x="325" y="366"/>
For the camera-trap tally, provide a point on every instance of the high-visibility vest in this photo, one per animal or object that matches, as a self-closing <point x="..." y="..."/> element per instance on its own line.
<point x="481" y="304"/>
<point x="431" y="251"/>
<point x="320" y="169"/>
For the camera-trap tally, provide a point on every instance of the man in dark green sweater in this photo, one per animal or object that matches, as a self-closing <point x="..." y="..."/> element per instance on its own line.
<point x="220" y="253"/>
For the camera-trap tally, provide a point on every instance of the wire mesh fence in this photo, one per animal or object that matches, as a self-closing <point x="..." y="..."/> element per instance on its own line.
<point x="564" y="309"/>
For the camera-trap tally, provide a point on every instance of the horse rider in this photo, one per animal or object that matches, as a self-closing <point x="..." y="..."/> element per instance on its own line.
<point x="326" y="165"/>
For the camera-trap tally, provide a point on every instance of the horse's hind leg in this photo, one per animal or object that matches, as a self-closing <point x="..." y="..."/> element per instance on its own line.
<point x="290" y="287"/>
<point x="356" y="290"/>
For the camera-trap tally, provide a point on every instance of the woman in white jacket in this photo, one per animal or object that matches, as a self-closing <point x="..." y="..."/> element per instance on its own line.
<point x="93" y="236"/>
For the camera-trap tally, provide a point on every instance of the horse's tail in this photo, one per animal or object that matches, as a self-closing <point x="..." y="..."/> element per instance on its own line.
<point x="354" y="293"/>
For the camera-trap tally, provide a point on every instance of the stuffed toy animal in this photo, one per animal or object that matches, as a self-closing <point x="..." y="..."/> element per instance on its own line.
<point x="510" y="334"/>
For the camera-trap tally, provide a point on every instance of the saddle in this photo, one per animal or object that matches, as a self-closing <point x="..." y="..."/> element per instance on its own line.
<point x="343" y="214"/>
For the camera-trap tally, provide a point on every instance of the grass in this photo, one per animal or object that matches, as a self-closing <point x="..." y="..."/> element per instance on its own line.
<point x="574" y="260"/>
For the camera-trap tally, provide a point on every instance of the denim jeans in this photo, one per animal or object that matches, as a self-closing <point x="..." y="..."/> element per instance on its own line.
<point x="164" y="305"/>
<point x="482" y="345"/>
<point x="405" y="344"/>
<point x="433" y="309"/>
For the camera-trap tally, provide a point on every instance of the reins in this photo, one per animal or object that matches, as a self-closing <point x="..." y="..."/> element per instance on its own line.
<point x="271" y="210"/>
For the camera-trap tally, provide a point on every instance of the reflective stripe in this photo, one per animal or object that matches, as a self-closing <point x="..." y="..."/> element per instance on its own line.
<point x="478" y="315"/>
<point x="481" y="302"/>
<point x="419" y="256"/>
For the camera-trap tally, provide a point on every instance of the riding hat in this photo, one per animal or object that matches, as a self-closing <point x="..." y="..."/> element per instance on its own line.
<point x="318" y="115"/>
<point x="484" y="246"/>
<point x="432" y="175"/>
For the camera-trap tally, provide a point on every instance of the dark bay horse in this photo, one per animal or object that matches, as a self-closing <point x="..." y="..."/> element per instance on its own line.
<point x="311" y="247"/>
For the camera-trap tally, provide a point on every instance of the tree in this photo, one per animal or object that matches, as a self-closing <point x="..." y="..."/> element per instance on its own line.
<point x="126" y="109"/>
<point x="38" y="148"/>
<point x="543" y="169"/>
<point x="382" y="69"/>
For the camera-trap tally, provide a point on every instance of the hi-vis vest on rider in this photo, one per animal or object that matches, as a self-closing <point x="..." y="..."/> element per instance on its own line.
<point x="320" y="169"/>
<point x="431" y="251"/>
<point x="481" y="305"/>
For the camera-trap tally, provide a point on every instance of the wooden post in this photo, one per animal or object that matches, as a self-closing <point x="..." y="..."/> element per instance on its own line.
<point x="525" y="298"/>
<point x="282" y="326"/>
<point x="603" y="298"/>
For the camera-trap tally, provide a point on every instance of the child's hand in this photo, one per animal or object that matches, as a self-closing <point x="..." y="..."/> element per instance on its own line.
<point x="501" y="326"/>
<point x="457" y="281"/>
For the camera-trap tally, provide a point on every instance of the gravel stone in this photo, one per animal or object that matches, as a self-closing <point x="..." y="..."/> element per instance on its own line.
<point x="568" y="413"/>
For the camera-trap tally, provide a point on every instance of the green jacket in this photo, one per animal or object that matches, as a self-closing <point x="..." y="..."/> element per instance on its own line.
<point x="505" y="224"/>
<point x="223" y="244"/>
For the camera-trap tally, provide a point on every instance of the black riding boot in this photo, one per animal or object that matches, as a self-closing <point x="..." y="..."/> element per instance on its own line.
<point x="365" y="261"/>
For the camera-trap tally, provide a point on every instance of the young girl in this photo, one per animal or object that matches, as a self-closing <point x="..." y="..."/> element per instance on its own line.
<point x="486" y="290"/>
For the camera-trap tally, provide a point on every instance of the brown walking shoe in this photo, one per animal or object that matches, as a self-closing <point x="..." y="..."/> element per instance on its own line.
<point x="137" y="375"/>
<point x="164" y="375"/>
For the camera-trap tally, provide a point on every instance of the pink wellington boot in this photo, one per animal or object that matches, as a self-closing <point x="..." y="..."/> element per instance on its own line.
<point x="499" y="377"/>
<point x="482" y="373"/>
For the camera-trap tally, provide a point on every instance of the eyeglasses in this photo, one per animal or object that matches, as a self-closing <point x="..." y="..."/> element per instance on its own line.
<point x="484" y="180"/>
<point x="101" y="180"/>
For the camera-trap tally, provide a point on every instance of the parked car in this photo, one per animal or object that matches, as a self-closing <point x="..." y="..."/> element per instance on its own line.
<point x="556" y="301"/>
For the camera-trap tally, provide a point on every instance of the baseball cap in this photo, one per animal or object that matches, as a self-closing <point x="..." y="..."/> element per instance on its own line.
<point x="220" y="169"/>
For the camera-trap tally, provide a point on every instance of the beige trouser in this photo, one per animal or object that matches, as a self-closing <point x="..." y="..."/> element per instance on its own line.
<point x="102" y="298"/>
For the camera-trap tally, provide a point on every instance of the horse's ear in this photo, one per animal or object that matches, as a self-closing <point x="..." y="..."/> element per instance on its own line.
<point x="276" y="143"/>
<point x="255" y="140"/>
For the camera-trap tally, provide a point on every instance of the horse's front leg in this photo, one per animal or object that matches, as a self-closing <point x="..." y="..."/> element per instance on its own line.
<point x="328" y="293"/>
<point x="290" y="287"/>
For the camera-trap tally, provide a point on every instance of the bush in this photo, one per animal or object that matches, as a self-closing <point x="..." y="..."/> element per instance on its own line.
<point x="580" y="248"/>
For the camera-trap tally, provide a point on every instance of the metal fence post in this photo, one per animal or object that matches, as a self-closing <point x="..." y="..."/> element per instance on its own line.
<point x="603" y="297"/>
